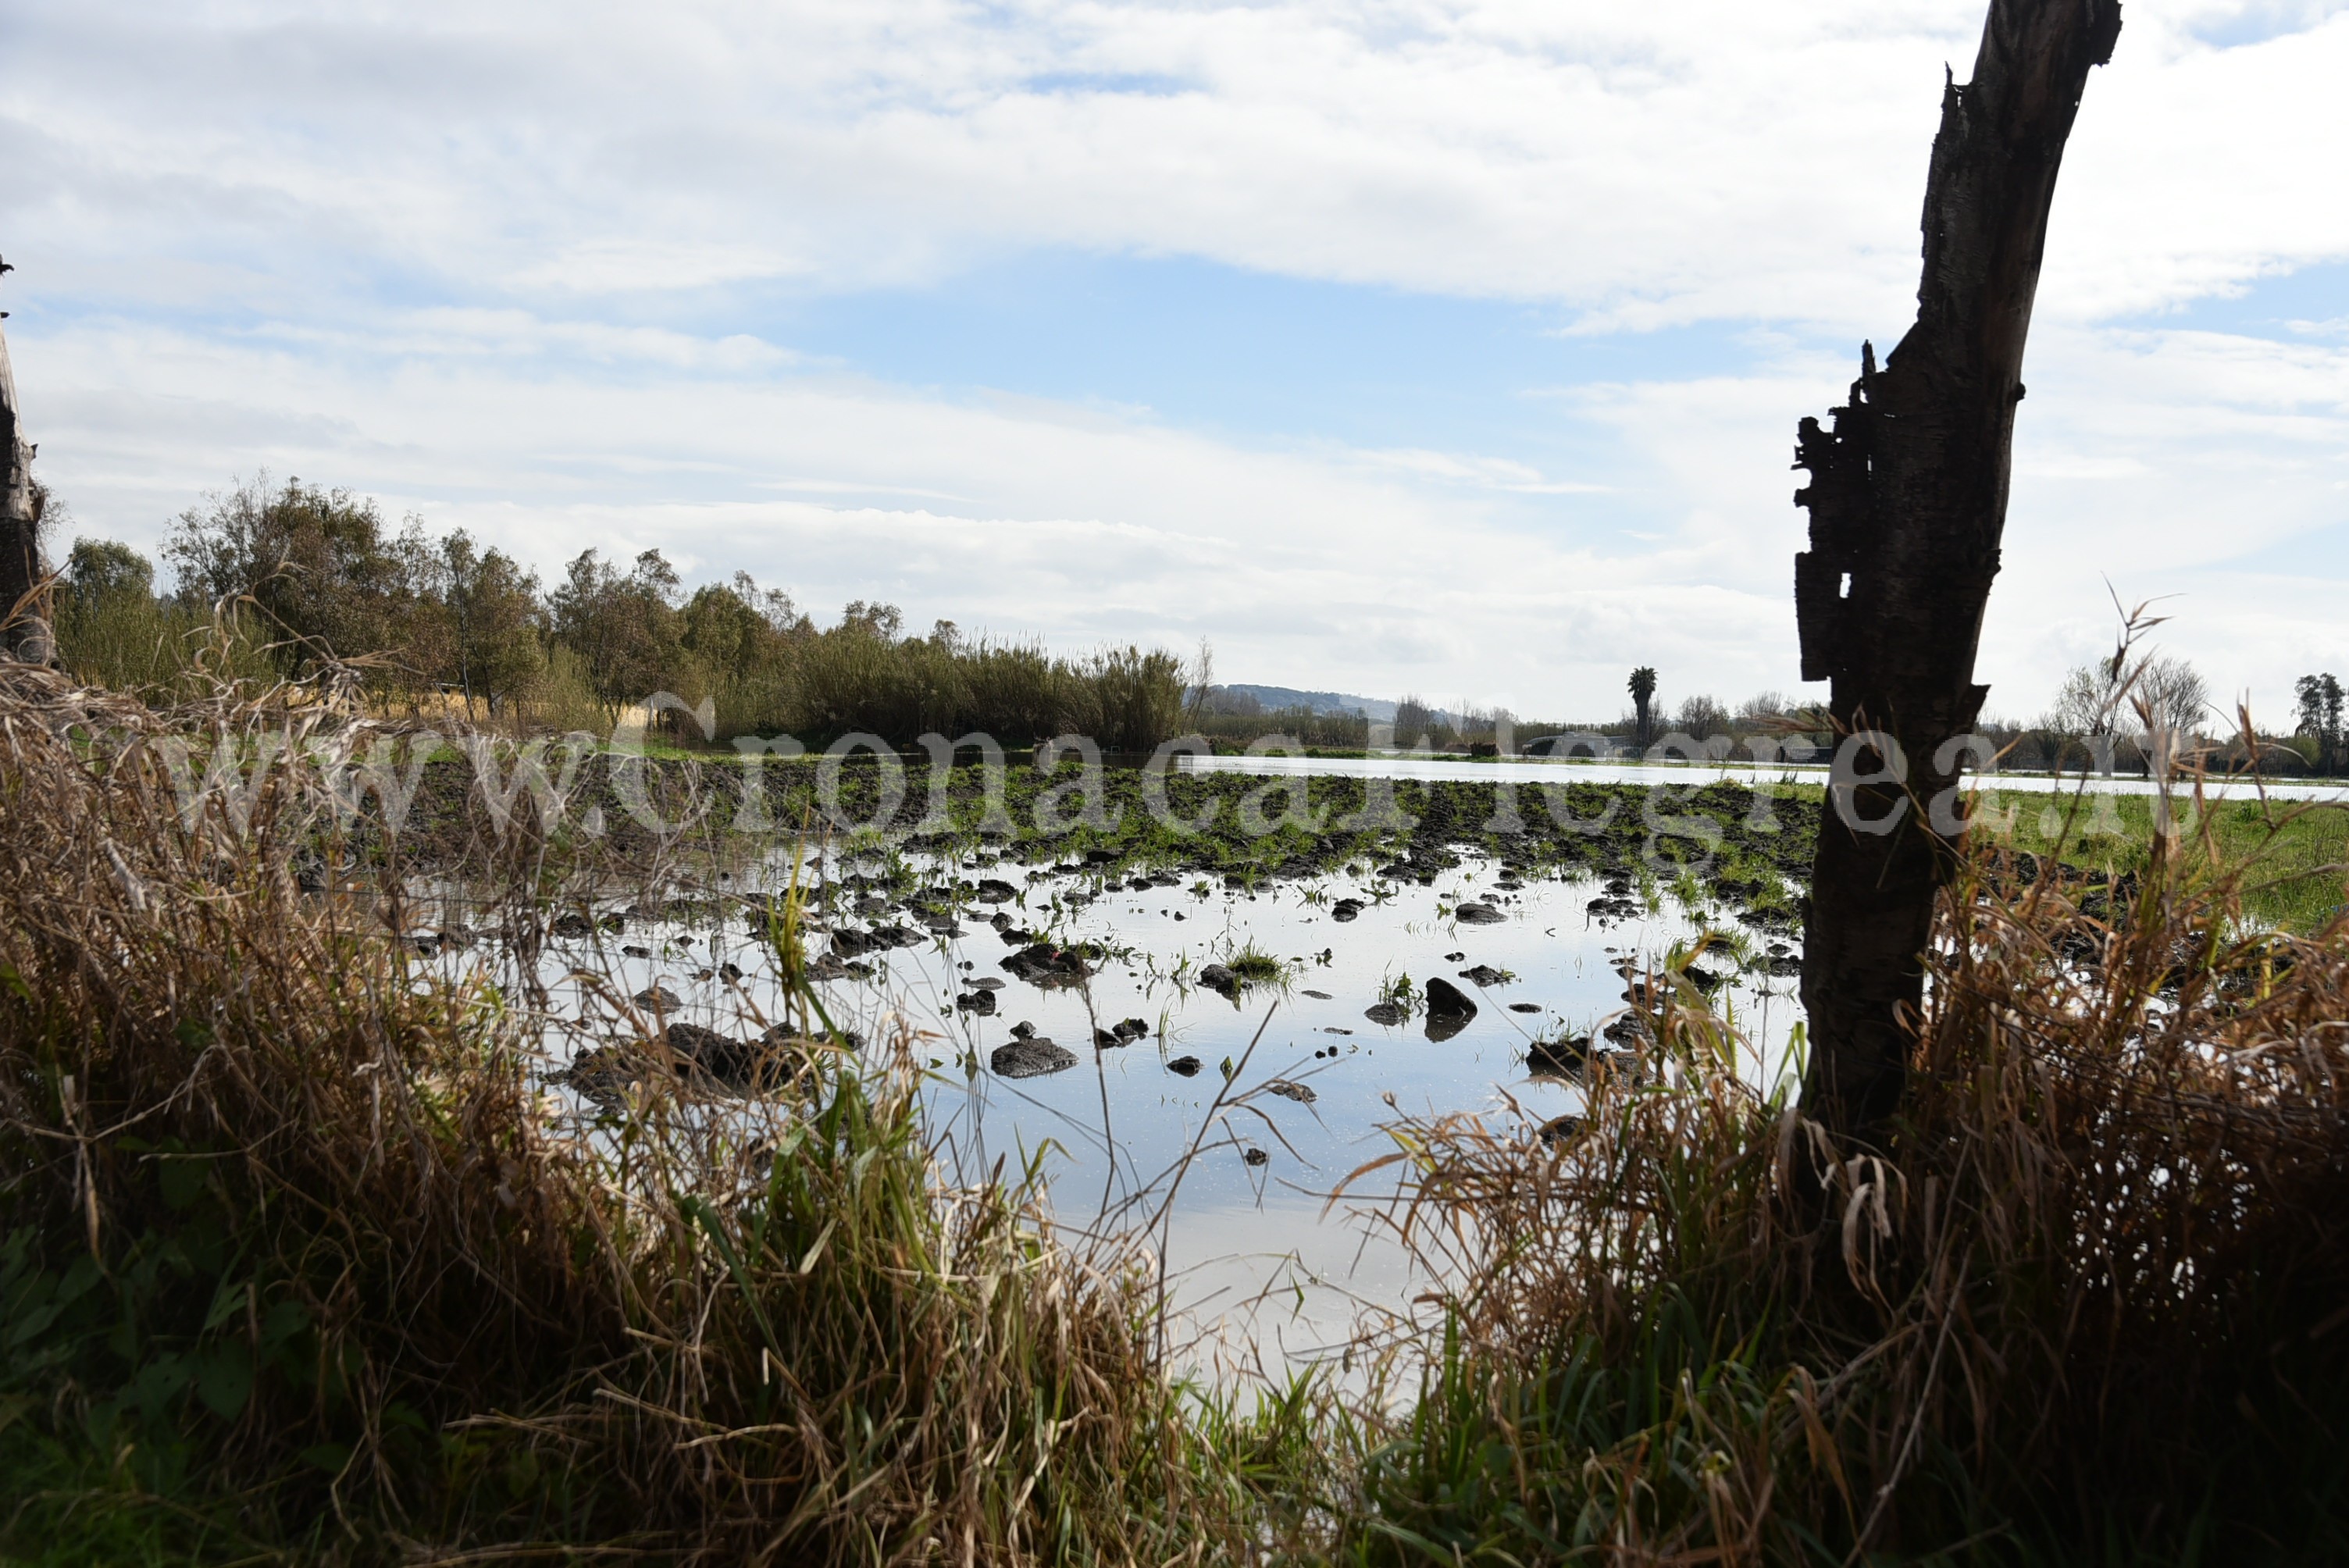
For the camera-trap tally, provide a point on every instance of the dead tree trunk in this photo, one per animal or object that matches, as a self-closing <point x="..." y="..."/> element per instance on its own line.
<point x="24" y="617"/>
<point x="1908" y="498"/>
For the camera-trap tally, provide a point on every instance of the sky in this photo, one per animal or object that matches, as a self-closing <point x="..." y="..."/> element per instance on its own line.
<point x="1387" y="347"/>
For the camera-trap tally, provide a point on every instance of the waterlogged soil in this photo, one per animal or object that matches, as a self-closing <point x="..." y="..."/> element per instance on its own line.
<point x="1746" y="839"/>
<point x="1120" y="1004"/>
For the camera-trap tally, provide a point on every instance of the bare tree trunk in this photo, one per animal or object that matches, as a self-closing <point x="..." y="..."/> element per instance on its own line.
<point x="1908" y="498"/>
<point x="24" y="611"/>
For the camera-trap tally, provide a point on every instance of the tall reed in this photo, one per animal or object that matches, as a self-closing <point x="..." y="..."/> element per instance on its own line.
<point x="2086" y="1305"/>
<point x="293" y="1232"/>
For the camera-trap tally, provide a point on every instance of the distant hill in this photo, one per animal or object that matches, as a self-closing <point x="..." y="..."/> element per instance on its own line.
<point x="1371" y="707"/>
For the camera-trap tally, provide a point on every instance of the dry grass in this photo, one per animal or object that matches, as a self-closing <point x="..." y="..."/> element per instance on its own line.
<point x="2087" y="1305"/>
<point x="292" y="1232"/>
<point x="297" y="1257"/>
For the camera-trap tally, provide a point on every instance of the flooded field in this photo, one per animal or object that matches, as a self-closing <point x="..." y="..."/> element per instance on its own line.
<point x="1209" y="1056"/>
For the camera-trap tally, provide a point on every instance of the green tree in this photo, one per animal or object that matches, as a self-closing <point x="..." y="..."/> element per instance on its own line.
<point x="101" y="569"/>
<point x="490" y="605"/>
<point x="315" y="562"/>
<point x="1642" y="687"/>
<point x="621" y="628"/>
<point x="2320" y="718"/>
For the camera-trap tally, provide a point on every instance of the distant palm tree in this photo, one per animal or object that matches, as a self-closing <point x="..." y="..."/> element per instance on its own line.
<point x="1643" y="692"/>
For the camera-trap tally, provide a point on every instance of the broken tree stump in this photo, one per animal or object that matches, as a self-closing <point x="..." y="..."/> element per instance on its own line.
<point x="1908" y="500"/>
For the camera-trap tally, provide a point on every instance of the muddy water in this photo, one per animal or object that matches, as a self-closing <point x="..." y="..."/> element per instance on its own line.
<point x="1254" y="1251"/>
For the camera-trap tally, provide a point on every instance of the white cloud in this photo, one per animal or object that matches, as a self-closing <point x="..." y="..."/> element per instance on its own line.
<point x="1307" y="563"/>
<point x="468" y="256"/>
<point x="1683" y="159"/>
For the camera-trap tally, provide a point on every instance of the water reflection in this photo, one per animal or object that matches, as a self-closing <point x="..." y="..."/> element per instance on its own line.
<point x="1219" y="1034"/>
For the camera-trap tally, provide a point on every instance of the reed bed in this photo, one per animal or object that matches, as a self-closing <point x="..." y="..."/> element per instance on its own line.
<point x="298" y="1259"/>
<point x="2086" y="1303"/>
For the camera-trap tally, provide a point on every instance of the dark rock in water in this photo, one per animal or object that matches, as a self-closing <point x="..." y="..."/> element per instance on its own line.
<point x="1301" y="1093"/>
<point x="847" y="943"/>
<point x="1217" y="977"/>
<point x="1486" y="975"/>
<point x="697" y="1056"/>
<point x="1346" y="909"/>
<point x="1787" y="964"/>
<point x="996" y="891"/>
<point x="985" y="983"/>
<point x="1032" y="1057"/>
<point x="660" y="998"/>
<point x="1631" y="1029"/>
<point x="1565" y="1058"/>
<point x="1317" y="996"/>
<point x="1449" y="1010"/>
<point x="980" y="1002"/>
<point x="1131" y="1028"/>
<point x="604" y="1075"/>
<point x="1334" y="1029"/>
<point x="1701" y="977"/>
<point x="941" y="925"/>
<point x="1525" y="1006"/>
<point x="1013" y="936"/>
<point x="1558" y="1128"/>
<point x="633" y="951"/>
<point x="1107" y="1039"/>
<point x="1478" y="914"/>
<point x="1022" y="1030"/>
<point x="1444" y="997"/>
<point x="1185" y="1067"/>
<point x="1254" y="1156"/>
<point x="572" y="926"/>
<point x="729" y="971"/>
<point x="888" y="936"/>
<point x="1045" y="965"/>
<point x="770" y="1062"/>
<point x="869" y="907"/>
<point x="1000" y="920"/>
<point x="830" y="968"/>
<point x="1387" y="1013"/>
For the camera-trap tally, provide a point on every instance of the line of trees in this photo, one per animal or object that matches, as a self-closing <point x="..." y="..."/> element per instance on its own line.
<point x="301" y="583"/>
<point x="2320" y="721"/>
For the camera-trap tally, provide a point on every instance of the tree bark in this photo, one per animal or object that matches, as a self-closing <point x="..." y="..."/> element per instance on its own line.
<point x="24" y="611"/>
<point x="1908" y="500"/>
